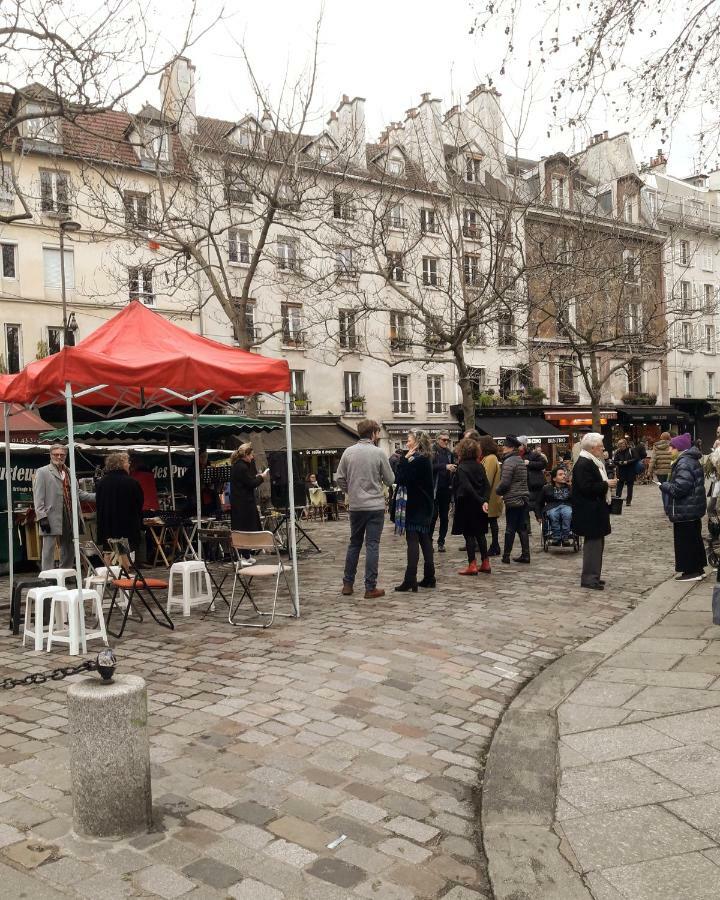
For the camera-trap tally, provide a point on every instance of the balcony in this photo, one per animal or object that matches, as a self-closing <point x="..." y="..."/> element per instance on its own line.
<point x="471" y="232"/>
<point x="430" y="280"/>
<point x="399" y="223"/>
<point x="300" y="405"/>
<point x="568" y="398"/>
<point x="400" y="344"/>
<point x="354" y="407"/>
<point x="430" y="227"/>
<point x="403" y="408"/>
<point x="436" y="408"/>
<point x="347" y="272"/>
<point x="351" y="344"/>
<point x="289" y="264"/>
<point x="293" y="339"/>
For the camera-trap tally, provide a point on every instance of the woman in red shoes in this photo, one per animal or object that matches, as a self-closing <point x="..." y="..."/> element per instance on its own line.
<point x="472" y="491"/>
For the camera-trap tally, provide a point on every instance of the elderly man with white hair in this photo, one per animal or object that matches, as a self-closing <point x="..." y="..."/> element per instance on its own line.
<point x="591" y="513"/>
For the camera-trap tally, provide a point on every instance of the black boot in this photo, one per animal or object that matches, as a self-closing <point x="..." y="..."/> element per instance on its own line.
<point x="525" y="548"/>
<point x="428" y="578"/>
<point x="406" y="586"/>
<point x="509" y="539"/>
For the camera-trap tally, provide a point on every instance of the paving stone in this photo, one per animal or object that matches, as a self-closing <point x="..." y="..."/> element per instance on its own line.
<point x="691" y="875"/>
<point x="29" y="854"/>
<point x="163" y="881"/>
<point x="701" y="812"/>
<point x="599" y="693"/>
<point x="703" y="725"/>
<point x="251" y="812"/>
<point x="573" y="717"/>
<point x="336" y="871"/>
<point x="695" y="767"/>
<point x="9" y="835"/>
<point x="666" y="645"/>
<point x="673" y="678"/>
<point x="250" y="889"/>
<point x="404" y="850"/>
<point x="212" y="872"/>
<point x="304" y="833"/>
<point x="292" y="854"/>
<point x="628" y="836"/>
<point x="671" y="699"/>
<point x="615" y="785"/>
<point x="615" y="743"/>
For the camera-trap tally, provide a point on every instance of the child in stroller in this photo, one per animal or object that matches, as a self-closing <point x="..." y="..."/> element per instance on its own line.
<point x="557" y="512"/>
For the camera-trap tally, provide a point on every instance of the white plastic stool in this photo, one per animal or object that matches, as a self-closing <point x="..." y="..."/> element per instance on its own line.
<point x="99" y="580"/>
<point x="59" y="576"/>
<point x="75" y="635"/>
<point x="196" y="585"/>
<point x="35" y="598"/>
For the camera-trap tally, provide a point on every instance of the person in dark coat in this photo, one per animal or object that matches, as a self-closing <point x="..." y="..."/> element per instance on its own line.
<point x="685" y="504"/>
<point x="514" y="491"/>
<point x="472" y="492"/>
<point x="443" y="466"/>
<point x="590" y="510"/>
<point x="625" y="461"/>
<point x="244" y="480"/>
<point x="535" y="463"/>
<point x="414" y="506"/>
<point x="119" y="501"/>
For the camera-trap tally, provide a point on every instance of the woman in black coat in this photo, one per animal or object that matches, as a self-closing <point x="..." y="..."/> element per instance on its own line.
<point x="414" y="507"/>
<point x="685" y="505"/>
<point x="590" y="510"/>
<point x="119" y="502"/>
<point x="244" y="480"/>
<point x="472" y="492"/>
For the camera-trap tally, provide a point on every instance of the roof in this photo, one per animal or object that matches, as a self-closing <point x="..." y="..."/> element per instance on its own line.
<point x="531" y="426"/>
<point x="137" y="357"/>
<point x="24" y="424"/>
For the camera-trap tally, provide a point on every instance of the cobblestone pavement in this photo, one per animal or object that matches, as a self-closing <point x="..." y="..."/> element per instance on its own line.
<point x="364" y="719"/>
<point x="639" y="798"/>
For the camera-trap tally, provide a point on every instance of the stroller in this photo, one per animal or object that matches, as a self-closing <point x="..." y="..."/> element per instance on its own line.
<point x="547" y="537"/>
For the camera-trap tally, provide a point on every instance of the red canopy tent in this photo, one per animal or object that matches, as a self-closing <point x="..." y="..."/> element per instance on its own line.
<point x="25" y="425"/>
<point x="139" y="359"/>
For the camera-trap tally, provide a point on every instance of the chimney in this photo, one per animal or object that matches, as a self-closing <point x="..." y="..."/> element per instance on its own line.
<point x="482" y="121"/>
<point x="659" y="161"/>
<point x="177" y="89"/>
<point x="267" y="121"/>
<point x="348" y="127"/>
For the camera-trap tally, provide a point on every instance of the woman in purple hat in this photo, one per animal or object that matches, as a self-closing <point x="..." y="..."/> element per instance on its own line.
<point x="684" y="499"/>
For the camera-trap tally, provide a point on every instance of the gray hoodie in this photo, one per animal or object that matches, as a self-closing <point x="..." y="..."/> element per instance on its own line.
<point x="362" y="472"/>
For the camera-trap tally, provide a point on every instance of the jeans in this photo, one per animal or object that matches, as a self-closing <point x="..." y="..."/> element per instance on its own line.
<point x="559" y="518"/>
<point x="628" y="480"/>
<point x="442" y="510"/>
<point x="365" y="525"/>
<point x="417" y="540"/>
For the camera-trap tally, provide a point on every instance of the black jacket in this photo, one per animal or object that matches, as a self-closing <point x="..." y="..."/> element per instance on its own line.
<point x="684" y="492"/>
<point x="549" y="498"/>
<point x="416" y="475"/>
<point x="625" y="462"/>
<point x="119" y="501"/>
<point x="472" y="489"/>
<point x="590" y="510"/>
<point x="244" y="479"/>
<point x="442" y="479"/>
<point x="536" y="463"/>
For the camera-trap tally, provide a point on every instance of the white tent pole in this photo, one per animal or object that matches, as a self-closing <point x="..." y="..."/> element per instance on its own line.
<point x="8" y="491"/>
<point x="198" y="492"/>
<point x="292" y="549"/>
<point x="73" y="483"/>
<point x="170" y="472"/>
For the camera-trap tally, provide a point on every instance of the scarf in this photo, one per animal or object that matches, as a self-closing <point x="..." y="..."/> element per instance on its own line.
<point x="400" y="509"/>
<point x="598" y="462"/>
<point x="67" y="495"/>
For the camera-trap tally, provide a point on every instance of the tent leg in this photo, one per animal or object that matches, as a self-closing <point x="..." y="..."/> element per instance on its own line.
<point x="292" y="549"/>
<point x="8" y="491"/>
<point x="73" y="483"/>
<point x="170" y="473"/>
<point x="198" y="490"/>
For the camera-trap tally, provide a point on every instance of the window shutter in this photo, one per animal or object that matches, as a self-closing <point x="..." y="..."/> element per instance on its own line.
<point x="51" y="266"/>
<point x="61" y="183"/>
<point x="46" y="191"/>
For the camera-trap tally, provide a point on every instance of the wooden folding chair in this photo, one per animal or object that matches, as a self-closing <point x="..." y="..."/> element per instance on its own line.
<point x="134" y="584"/>
<point x="256" y="541"/>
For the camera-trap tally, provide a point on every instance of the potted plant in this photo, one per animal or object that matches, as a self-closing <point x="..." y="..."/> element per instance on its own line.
<point x="357" y="403"/>
<point x="485" y="400"/>
<point x="300" y="400"/>
<point x="535" y="395"/>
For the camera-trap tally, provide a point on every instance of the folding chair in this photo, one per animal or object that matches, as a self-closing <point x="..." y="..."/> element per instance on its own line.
<point x="133" y="584"/>
<point x="258" y="540"/>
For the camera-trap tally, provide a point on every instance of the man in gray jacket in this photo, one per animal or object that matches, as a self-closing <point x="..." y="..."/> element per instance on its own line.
<point x="51" y="493"/>
<point x="513" y="488"/>
<point x="363" y="472"/>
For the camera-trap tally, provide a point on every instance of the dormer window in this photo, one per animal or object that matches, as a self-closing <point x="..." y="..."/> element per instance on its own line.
<point x="155" y="146"/>
<point x="559" y="187"/>
<point x="395" y="166"/>
<point x="324" y="155"/>
<point x="41" y="127"/>
<point x="472" y="168"/>
<point x="243" y="137"/>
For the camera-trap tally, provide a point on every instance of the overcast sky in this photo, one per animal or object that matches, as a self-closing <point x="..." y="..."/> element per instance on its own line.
<point x="390" y="51"/>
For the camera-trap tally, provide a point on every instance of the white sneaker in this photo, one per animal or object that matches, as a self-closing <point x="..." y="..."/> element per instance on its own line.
<point x="250" y="561"/>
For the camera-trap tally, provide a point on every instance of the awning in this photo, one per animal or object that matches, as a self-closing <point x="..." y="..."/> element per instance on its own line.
<point x="536" y="429"/>
<point x="312" y="439"/>
<point x="641" y="415"/>
<point x="24" y="425"/>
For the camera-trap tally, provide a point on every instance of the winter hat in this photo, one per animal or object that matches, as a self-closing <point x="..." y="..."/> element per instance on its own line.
<point x="512" y="441"/>
<point x="681" y="442"/>
<point x="523" y="439"/>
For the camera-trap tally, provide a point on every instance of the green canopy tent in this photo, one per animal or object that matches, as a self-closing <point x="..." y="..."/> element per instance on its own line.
<point x="163" y="426"/>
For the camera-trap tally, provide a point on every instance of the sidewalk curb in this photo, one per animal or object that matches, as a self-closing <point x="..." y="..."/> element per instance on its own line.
<point x="520" y="784"/>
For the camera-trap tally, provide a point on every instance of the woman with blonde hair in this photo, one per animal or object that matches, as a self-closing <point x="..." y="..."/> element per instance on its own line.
<point x="489" y="459"/>
<point x="414" y="507"/>
<point x="244" y="479"/>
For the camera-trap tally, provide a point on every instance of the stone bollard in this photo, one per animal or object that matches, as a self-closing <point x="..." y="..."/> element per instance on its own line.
<point x="109" y="756"/>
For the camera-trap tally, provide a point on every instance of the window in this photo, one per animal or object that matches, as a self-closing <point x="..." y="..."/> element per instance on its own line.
<point x="651" y="198"/>
<point x="351" y="384"/>
<point x="628" y="211"/>
<point x="476" y="336"/>
<point x="685" y="296"/>
<point x="238" y="246"/>
<point x="396" y="272"/>
<point x="711" y="385"/>
<point x="43" y="127"/>
<point x="471" y="270"/>
<point x="291" y="323"/>
<point x="324" y="155"/>
<point x="433" y="332"/>
<point x="477" y="378"/>
<point x="709" y="346"/>
<point x="396" y="216"/>
<point x="297" y="384"/>
<point x="429" y="221"/>
<point x="707" y="257"/>
<point x="634" y="377"/>
<point x="472" y="168"/>
<point x="399" y="335"/>
<point x="470" y="223"/>
<point x="709" y="297"/>
<point x="401" y="394"/>
<point x="55" y="340"/>
<point x="9" y="257"/>
<point x="567" y="313"/>
<point x="559" y="191"/>
<point x="136" y="209"/>
<point x="237" y="190"/>
<point x="13" y="348"/>
<point x="140" y="284"/>
<point x="347" y="329"/>
<point x="634" y="319"/>
<point x="509" y="382"/>
<point x="686" y="336"/>
<point x="430" y="271"/>
<point x="287" y="196"/>
<point x="344" y="262"/>
<point x="395" y="166"/>
<point x="684" y="253"/>
<point x="244" y="137"/>
<point x="630" y="267"/>
<point x="52" y="271"/>
<point x="566" y="375"/>
<point x="7" y="192"/>
<point x="506" y="330"/>
<point x="54" y="192"/>
<point x="506" y="281"/>
<point x="687" y="384"/>
<point x="287" y="257"/>
<point x="155" y="146"/>
<point x="435" y="403"/>
<point x="342" y="207"/>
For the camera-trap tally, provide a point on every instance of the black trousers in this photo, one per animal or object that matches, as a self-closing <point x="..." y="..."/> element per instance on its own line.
<point x="442" y="511"/>
<point x="472" y="542"/>
<point x="417" y="541"/>
<point x="690" y="556"/>
<point x="628" y="480"/>
<point x="494" y="531"/>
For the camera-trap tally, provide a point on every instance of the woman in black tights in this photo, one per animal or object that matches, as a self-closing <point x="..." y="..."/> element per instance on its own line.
<point x="414" y="505"/>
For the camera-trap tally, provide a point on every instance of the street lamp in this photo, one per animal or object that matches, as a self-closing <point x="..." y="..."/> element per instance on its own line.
<point x="66" y="225"/>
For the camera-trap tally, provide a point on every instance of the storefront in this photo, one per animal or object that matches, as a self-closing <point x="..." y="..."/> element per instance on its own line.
<point x="397" y="431"/>
<point x="578" y="421"/>
<point x="646" y="423"/>
<point x="317" y="447"/>
<point x="703" y="419"/>
<point x="540" y="433"/>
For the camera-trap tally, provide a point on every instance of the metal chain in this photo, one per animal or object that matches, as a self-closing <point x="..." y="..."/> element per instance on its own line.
<point x="55" y="675"/>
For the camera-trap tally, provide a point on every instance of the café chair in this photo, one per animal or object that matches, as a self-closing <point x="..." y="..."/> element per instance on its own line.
<point x="255" y="541"/>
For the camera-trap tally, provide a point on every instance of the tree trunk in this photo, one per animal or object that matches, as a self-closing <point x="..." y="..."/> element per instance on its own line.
<point x="595" y="391"/>
<point x="466" y="390"/>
